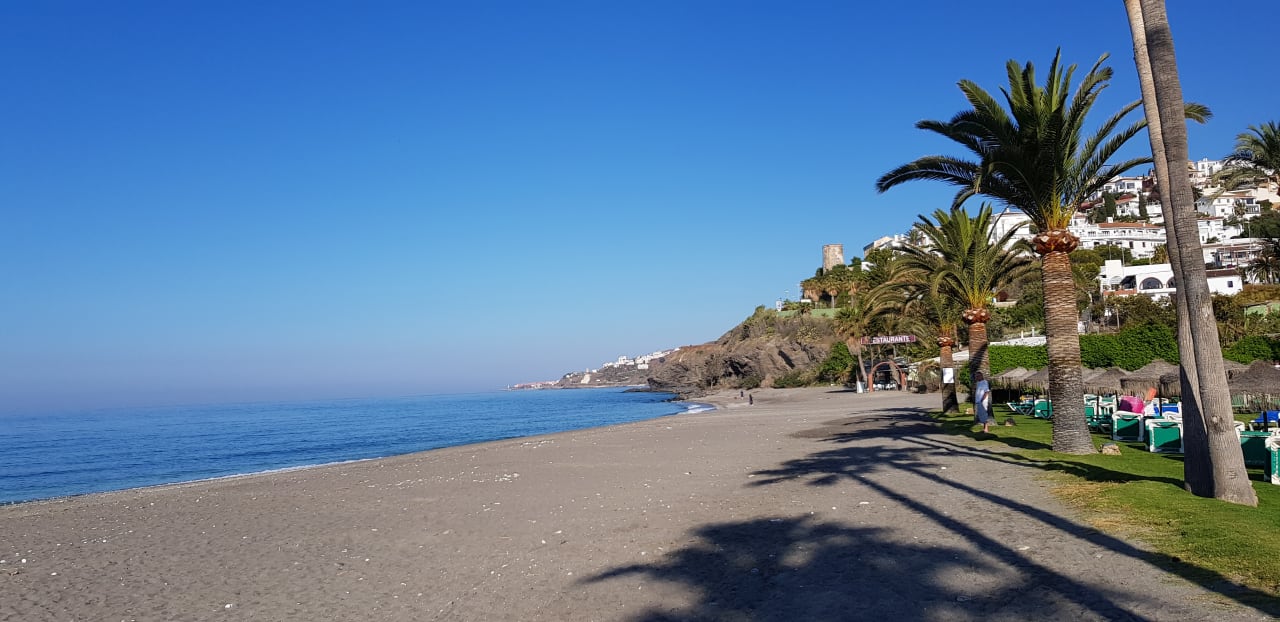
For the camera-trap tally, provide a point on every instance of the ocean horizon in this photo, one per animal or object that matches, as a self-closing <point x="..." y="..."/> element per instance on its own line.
<point x="50" y="456"/>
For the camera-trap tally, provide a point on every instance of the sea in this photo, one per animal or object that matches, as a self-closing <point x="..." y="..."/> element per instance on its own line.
<point x="49" y="456"/>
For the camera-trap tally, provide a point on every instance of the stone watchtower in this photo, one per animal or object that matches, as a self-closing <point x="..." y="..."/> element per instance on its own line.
<point x="832" y="256"/>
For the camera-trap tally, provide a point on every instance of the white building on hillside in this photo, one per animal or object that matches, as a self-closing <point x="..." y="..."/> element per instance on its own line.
<point x="1130" y="205"/>
<point x="1224" y="204"/>
<point x="1139" y="237"/>
<point x="1157" y="282"/>
<point x="1203" y="169"/>
<point x="1011" y="220"/>
<point x="897" y="240"/>
<point x="1232" y="253"/>
<point x="1216" y="229"/>
<point x="1123" y="185"/>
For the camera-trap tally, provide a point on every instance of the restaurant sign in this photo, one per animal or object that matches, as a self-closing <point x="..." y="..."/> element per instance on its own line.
<point x="885" y="339"/>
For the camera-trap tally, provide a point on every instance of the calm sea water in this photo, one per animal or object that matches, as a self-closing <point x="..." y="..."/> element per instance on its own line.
<point x="47" y="456"/>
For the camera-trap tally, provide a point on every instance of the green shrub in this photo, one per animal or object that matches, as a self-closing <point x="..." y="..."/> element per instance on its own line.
<point x="750" y="382"/>
<point x="1132" y="348"/>
<point x="793" y="379"/>
<point x="1004" y="358"/>
<point x="1139" y="345"/>
<point x="836" y="367"/>
<point x="1099" y="350"/>
<point x="1250" y="349"/>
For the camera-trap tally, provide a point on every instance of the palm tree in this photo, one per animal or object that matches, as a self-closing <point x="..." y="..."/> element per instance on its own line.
<point x="924" y="291"/>
<point x="1265" y="268"/>
<point x="1160" y="254"/>
<point x="970" y="265"/>
<point x="1035" y="157"/>
<point x="1213" y="465"/>
<point x="1256" y="158"/>
<point x="866" y="308"/>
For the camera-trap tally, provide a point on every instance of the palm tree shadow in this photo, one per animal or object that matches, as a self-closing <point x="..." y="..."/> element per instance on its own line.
<point x="802" y="568"/>
<point x="1085" y="470"/>
<point x="912" y="425"/>
<point x="858" y="462"/>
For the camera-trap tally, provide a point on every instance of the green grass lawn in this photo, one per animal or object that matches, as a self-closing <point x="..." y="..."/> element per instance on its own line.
<point x="1139" y="495"/>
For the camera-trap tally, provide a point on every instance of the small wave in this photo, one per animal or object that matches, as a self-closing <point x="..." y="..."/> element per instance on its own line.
<point x="693" y="408"/>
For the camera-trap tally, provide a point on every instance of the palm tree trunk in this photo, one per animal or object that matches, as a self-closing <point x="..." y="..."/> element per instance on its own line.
<point x="1066" y="390"/>
<point x="978" y="359"/>
<point x="1197" y="465"/>
<point x="860" y="374"/>
<point x="1230" y="480"/>
<point x="950" y="403"/>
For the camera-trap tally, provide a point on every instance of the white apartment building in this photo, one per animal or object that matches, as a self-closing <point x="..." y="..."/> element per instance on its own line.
<point x="1201" y="170"/>
<point x="1216" y="229"/>
<point x="1129" y="205"/>
<point x="1225" y="204"/>
<point x="897" y="240"/>
<point x="1123" y="185"/>
<point x="1011" y="220"/>
<point x="1139" y="237"/>
<point x="1157" y="282"/>
<point x="1232" y="253"/>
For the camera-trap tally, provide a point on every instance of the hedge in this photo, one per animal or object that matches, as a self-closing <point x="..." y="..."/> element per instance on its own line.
<point x="1131" y="348"/>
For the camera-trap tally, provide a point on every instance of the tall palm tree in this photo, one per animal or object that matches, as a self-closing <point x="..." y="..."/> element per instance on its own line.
<point x="1036" y="157"/>
<point x="970" y="264"/>
<point x="1213" y="465"/>
<point x="1256" y="158"/>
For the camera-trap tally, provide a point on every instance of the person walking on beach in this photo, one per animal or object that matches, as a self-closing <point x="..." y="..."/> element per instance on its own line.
<point x="982" y="401"/>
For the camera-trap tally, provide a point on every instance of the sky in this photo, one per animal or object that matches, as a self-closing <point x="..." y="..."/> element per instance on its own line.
<point x="254" y="201"/>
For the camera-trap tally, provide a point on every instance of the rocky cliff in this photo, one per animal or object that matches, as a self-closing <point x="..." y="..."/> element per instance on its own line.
<point x="755" y="353"/>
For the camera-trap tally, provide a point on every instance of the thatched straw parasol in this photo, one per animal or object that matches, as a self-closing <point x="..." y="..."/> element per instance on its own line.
<point x="1148" y="377"/>
<point x="1171" y="383"/>
<point x="1261" y="378"/>
<point x="1104" y="381"/>
<point x="1233" y="367"/>
<point x="1012" y="377"/>
<point x="1039" y="380"/>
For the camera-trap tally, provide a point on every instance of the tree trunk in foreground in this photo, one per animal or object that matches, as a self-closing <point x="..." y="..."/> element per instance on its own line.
<point x="1230" y="479"/>
<point x="1066" y="388"/>
<point x="1197" y="472"/>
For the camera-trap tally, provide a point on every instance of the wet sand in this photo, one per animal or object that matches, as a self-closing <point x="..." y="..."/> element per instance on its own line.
<point x="810" y="504"/>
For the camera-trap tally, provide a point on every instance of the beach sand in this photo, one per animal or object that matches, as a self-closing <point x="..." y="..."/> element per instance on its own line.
<point x="810" y="504"/>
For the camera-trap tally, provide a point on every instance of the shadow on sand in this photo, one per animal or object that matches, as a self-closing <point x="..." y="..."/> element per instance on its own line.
<point x="802" y="568"/>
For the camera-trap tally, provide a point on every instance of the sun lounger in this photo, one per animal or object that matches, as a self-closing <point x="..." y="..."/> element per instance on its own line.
<point x="1164" y="436"/>
<point x="1273" y="465"/>
<point x="1267" y="417"/>
<point x="1043" y="409"/>
<point x="1127" y="426"/>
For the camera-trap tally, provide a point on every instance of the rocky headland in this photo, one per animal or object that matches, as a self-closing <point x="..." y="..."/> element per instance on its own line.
<point x="755" y="353"/>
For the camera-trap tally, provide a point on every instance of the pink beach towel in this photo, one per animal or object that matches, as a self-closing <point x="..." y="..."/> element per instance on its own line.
<point x="1130" y="403"/>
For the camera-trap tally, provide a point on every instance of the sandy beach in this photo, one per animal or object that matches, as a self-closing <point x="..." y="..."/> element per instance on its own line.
<point x="810" y="504"/>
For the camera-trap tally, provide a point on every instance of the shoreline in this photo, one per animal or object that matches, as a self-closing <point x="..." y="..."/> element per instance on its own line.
<point x="799" y="506"/>
<point x="690" y="407"/>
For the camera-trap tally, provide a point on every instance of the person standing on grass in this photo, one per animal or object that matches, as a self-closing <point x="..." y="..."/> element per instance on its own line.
<point x="982" y="401"/>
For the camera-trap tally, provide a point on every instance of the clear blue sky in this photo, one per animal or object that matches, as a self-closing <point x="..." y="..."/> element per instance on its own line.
<point x="231" y="201"/>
